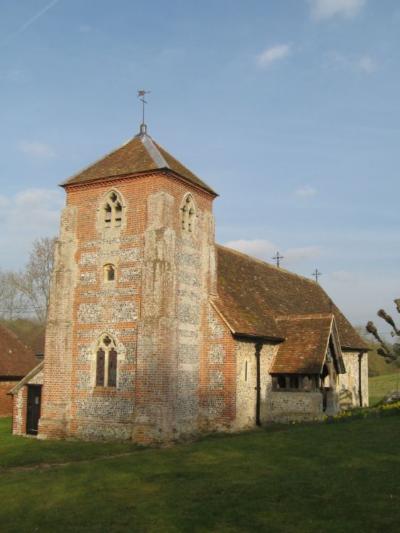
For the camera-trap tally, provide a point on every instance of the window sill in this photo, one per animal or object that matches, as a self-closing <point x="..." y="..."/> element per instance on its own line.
<point x="295" y="390"/>
<point x="99" y="390"/>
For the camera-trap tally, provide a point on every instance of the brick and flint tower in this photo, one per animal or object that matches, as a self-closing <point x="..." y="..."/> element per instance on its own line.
<point x="134" y="271"/>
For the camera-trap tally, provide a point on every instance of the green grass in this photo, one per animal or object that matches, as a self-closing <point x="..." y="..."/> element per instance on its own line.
<point x="340" y="477"/>
<point x="379" y="386"/>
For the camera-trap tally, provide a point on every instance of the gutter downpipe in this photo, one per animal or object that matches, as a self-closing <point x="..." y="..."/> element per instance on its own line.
<point x="258" y="347"/>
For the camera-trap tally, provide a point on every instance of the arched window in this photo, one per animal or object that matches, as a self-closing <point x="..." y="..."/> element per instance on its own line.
<point x="109" y="272"/>
<point x="187" y="214"/>
<point x="106" y="362"/>
<point x="112" y="210"/>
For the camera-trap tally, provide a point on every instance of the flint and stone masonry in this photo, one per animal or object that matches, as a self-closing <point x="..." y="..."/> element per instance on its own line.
<point x="146" y="339"/>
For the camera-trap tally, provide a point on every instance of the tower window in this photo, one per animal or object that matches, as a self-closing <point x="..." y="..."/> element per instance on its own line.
<point x="109" y="272"/>
<point x="112" y="211"/>
<point x="188" y="214"/>
<point x="106" y="362"/>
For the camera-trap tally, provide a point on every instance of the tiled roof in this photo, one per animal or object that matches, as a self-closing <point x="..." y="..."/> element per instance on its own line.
<point x="31" y="374"/>
<point x="16" y="359"/>
<point x="139" y="155"/>
<point x="305" y="345"/>
<point x="252" y="294"/>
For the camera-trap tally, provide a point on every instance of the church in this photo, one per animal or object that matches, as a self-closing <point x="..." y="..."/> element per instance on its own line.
<point x="156" y="333"/>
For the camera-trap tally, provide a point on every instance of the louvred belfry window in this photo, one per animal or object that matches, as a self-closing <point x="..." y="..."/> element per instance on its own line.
<point x="106" y="362"/>
<point x="112" y="210"/>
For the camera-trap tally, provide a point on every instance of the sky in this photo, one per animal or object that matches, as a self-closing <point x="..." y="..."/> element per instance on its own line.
<point x="289" y="109"/>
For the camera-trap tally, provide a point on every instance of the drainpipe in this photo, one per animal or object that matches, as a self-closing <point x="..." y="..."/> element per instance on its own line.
<point x="359" y="378"/>
<point x="258" y="347"/>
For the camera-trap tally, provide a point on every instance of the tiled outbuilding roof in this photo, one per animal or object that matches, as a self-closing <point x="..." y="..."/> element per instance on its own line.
<point x="139" y="155"/>
<point x="306" y="343"/>
<point x="252" y="294"/>
<point x="16" y="359"/>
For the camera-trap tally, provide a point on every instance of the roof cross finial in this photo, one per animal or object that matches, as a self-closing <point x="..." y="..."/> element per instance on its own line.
<point x="141" y="94"/>
<point x="277" y="259"/>
<point x="316" y="274"/>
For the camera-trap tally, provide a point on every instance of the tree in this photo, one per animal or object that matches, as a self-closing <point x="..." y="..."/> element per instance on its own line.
<point x="11" y="304"/>
<point x="389" y="352"/>
<point x="33" y="283"/>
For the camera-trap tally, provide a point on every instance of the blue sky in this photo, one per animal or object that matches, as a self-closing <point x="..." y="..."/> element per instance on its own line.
<point x="289" y="109"/>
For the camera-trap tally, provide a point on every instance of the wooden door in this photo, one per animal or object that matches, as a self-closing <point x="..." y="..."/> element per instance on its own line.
<point x="33" y="409"/>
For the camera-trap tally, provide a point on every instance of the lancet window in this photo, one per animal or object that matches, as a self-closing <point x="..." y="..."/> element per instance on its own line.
<point x="106" y="362"/>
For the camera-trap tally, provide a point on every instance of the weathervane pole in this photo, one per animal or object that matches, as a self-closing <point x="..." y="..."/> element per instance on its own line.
<point x="141" y="94"/>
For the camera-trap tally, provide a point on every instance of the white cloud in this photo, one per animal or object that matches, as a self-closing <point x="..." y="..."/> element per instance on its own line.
<point x="325" y="9"/>
<point x="306" y="191"/>
<point x="367" y="64"/>
<point x="36" y="149"/>
<point x="294" y="255"/>
<point x="260" y="248"/>
<point x="273" y="54"/>
<point x="25" y="216"/>
<point x="265" y="250"/>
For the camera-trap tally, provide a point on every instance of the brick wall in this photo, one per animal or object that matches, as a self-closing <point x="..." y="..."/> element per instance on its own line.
<point x="153" y="310"/>
<point x="6" y="408"/>
<point x="217" y="374"/>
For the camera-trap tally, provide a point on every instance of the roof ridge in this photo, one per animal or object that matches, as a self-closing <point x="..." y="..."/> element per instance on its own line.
<point x="153" y="151"/>
<point x="270" y="265"/>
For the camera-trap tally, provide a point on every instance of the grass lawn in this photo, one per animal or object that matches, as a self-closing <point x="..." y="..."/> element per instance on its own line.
<point x="379" y="386"/>
<point x="340" y="477"/>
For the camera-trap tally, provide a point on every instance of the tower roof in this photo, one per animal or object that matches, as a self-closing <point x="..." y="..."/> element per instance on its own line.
<point x="139" y="155"/>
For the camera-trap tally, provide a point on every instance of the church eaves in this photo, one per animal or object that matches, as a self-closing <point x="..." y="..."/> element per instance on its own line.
<point x="137" y="156"/>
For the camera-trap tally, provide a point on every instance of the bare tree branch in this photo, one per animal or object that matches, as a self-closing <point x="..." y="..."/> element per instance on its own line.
<point x="390" y="353"/>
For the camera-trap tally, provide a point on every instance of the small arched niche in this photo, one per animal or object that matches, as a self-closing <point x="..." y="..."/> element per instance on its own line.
<point x="109" y="272"/>
<point x="188" y="214"/>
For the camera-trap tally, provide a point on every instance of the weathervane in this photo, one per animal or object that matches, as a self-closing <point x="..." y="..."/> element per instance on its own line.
<point x="316" y="274"/>
<point x="278" y="258"/>
<point x="141" y="94"/>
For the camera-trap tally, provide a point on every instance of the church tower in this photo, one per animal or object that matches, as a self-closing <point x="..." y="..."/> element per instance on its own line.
<point x="134" y="271"/>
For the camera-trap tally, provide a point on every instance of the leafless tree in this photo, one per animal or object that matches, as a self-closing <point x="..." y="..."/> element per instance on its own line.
<point x="389" y="352"/>
<point x="11" y="304"/>
<point x="33" y="283"/>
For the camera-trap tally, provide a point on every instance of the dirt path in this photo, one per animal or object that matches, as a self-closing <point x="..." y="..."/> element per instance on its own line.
<point x="47" y="466"/>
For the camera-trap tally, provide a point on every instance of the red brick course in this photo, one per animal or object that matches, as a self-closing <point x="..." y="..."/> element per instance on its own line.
<point x="6" y="407"/>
